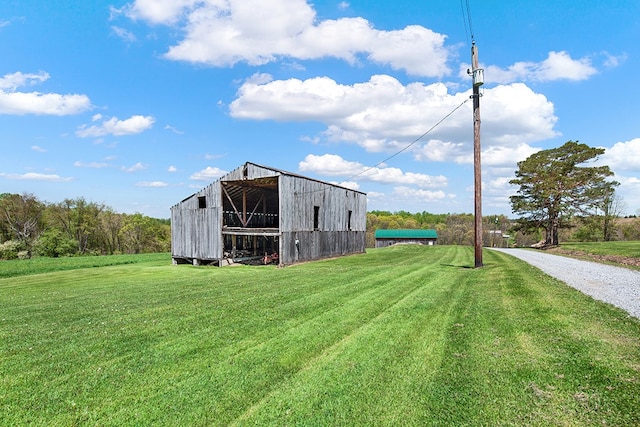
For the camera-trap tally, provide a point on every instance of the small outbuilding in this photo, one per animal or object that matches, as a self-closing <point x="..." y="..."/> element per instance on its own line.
<point x="262" y="214"/>
<point x="392" y="237"/>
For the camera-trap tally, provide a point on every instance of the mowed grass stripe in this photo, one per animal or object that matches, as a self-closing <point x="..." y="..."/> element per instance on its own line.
<point x="13" y="268"/>
<point x="404" y="335"/>
<point x="123" y="312"/>
<point x="520" y="355"/>
<point x="375" y="374"/>
<point x="252" y="372"/>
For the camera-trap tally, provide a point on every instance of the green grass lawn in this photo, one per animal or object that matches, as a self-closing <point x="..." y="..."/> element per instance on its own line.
<point x="405" y="335"/>
<point x="39" y="265"/>
<point x="627" y="248"/>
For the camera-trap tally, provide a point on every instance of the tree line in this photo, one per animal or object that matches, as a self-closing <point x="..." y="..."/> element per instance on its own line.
<point x="563" y="194"/>
<point x="560" y="197"/>
<point x="501" y="231"/>
<point x="31" y="227"/>
<point x="452" y="228"/>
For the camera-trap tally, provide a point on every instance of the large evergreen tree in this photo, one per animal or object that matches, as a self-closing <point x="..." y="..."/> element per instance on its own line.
<point x="557" y="184"/>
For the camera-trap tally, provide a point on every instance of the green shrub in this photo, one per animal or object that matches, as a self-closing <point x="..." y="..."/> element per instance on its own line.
<point x="53" y="243"/>
<point x="10" y="249"/>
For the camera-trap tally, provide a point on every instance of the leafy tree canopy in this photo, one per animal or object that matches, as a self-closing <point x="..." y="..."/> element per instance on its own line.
<point x="557" y="184"/>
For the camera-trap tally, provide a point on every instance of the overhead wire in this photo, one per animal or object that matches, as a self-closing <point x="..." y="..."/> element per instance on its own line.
<point x="464" y="20"/>
<point x="411" y="144"/>
<point x="468" y="10"/>
<point x="468" y="26"/>
<point x="466" y="13"/>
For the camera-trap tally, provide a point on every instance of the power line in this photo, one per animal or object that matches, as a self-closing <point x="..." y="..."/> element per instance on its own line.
<point x="466" y="18"/>
<point x="470" y="23"/>
<point x="411" y="144"/>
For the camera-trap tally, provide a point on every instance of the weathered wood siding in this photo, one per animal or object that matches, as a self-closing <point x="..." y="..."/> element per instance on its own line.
<point x="338" y="233"/>
<point x="196" y="233"/>
<point x="299" y="196"/>
<point x="249" y="171"/>
<point x="313" y="245"/>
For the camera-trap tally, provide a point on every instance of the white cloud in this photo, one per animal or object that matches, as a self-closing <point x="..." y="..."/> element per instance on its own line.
<point x="334" y="165"/>
<point x="152" y="184"/>
<point x="19" y="103"/>
<point x="623" y="156"/>
<point x="348" y="184"/>
<point x="375" y="195"/>
<point x="174" y="130"/>
<point x="172" y="169"/>
<point x="370" y="114"/>
<point x="441" y="151"/>
<point x="624" y="160"/>
<point x="92" y="165"/>
<point x="38" y="149"/>
<point x="32" y="176"/>
<point x="223" y="33"/>
<point x="629" y="192"/>
<point x="113" y="126"/>
<point x="383" y="114"/>
<point x="123" y="34"/>
<point x="330" y="165"/>
<point x="157" y="11"/>
<point x="418" y="195"/>
<point x="137" y="167"/>
<point x="15" y="80"/>
<point x="506" y="155"/>
<point x="613" y="61"/>
<point x="208" y="174"/>
<point x="516" y="113"/>
<point x="557" y="66"/>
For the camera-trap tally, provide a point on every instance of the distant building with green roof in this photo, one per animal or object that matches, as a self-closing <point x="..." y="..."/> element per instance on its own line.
<point x="392" y="237"/>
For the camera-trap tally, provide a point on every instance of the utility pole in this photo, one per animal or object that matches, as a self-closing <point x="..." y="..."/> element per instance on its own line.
<point x="478" y="80"/>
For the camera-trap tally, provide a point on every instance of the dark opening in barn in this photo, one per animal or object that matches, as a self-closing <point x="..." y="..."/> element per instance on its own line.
<point x="269" y="214"/>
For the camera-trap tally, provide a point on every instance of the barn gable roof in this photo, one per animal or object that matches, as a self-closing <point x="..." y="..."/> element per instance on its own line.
<point x="406" y="234"/>
<point x="231" y="176"/>
<point x="283" y="172"/>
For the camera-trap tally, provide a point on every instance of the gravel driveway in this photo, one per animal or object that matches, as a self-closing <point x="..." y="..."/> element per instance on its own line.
<point x="614" y="285"/>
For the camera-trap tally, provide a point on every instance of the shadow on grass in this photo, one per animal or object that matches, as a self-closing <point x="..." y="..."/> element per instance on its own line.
<point x="470" y="267"/>
<point x="458" y="266"/>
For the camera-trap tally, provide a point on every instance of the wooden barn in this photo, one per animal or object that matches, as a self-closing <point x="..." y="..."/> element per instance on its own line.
<point x="261" y="214"/>
<point x="393" y="237"/>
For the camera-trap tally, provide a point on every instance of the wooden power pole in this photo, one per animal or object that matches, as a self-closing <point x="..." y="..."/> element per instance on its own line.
<point x="478" y="80"/>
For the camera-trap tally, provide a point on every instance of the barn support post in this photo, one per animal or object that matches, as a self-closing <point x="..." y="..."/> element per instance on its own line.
<point x="244" y="206"/>
<point x="234" y="246"/>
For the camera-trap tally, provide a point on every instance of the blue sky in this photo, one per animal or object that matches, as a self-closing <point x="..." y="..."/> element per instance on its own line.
<point x="139" y="104"/>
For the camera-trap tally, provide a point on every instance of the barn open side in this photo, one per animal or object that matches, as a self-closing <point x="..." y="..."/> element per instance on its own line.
<point x="262" y="213"/>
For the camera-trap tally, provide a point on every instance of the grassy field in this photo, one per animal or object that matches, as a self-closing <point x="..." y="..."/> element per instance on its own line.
<point x="628" y="249"/>
<point x="39" y="265"/>
<point x="623" y="254"/>
<point x="398" y="336"/>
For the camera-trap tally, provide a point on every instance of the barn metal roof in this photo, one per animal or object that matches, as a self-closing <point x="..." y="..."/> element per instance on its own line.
<point x="406" y="234"/>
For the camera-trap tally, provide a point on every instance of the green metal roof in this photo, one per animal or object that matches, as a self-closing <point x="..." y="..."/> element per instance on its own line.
<point x="406" y="234"/>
